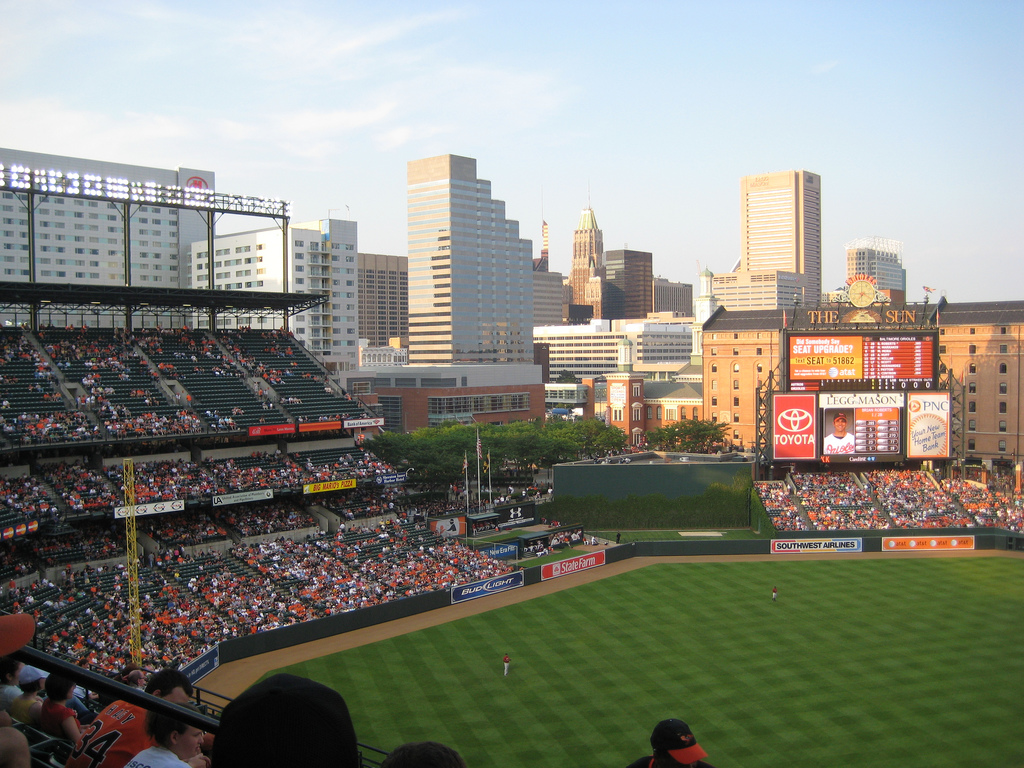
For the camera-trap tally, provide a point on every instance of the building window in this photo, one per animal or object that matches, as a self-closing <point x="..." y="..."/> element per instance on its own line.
<point x="714" y="351"/>
<point x="694" y="412"/>
<point x="736" y="418"/>
<point x="714" y="402"/>
<point x="1002" y="407"/>
<point x="714" y="385"/>
<point x="1003" y="349"/>
<point x="735" y="367"/>
<point x="650" y="412"/>
<point x="714" y="367"/>
<point x="1002" y="446"/>
<point x="1002" y="387"/>
<point x="972" y="349"/>
<point x="972" y="368"/>
<point x="972" y="426"/>
<point x="1002" y="426"/>
<point x="735" y="402"/>
<point x="735" y="352"/>
<point x="759" y="353"/>
<point x="735" y="383"/>
<point x="971" y="408"/>
<point x="971" y="331"/>
<point x="636" y="413"/>
<point x="970" y="444"/>
<point x="636" y="390"/>
<point x="972" y="387"/>
<point x="942" y="349"/>
<point x="657" y="412"/>
<point x="1002" y="367"/>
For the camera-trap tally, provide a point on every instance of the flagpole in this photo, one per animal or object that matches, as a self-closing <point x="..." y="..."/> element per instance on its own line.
<point x="479" y="488"/>
<point x="465" y="471"/>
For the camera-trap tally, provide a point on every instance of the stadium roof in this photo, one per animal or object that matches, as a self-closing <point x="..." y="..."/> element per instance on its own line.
<point x="22" y="298"/>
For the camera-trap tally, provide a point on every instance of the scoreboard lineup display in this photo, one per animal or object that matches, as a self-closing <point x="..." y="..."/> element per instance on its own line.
<point x="859" y="362"/>
<point x="861" y="396"/>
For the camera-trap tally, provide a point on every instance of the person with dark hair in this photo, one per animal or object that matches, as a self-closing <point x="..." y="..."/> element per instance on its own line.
<point x="119" y="732"/>
<point x="423" y="754"/>
<point x="674" y="745"/>
<point x="177" y="744"/>
<point x="10" y="669"/>
<point x="56" y="717"/>
<point x="286" y="721"/>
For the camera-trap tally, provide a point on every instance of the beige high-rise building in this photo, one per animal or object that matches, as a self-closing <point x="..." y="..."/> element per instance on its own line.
<point x="470" y="274"/>
<point x="780" y="232"/>
<point x="586" y="270"/>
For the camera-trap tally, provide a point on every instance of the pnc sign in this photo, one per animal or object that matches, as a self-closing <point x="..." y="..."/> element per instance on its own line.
<point x="794" y="427"/>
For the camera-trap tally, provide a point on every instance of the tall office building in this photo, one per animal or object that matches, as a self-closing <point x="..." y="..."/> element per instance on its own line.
<point x="321" y="260"/>
<point x="383" y="298"/>
<point x="586" y="270"/>
<point x="879" y="257"/>
<point x="780" y="243"/>
<point x="628" y="285"/>
<point x="470" y="274"/>
<point x="675" y="297"/>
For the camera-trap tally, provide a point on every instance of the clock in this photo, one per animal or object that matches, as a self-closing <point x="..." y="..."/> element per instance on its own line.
<point x="862" y="293"/>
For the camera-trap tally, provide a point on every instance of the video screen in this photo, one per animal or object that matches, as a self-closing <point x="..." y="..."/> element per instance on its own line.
<point x="846" y="361"/>
<point x="861" y="426"/>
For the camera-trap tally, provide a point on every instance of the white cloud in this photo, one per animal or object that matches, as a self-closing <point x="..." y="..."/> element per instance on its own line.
<point x="825" y="66"/>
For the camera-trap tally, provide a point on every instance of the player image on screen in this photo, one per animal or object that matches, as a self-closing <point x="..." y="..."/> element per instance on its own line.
<point x="839" y="441"/>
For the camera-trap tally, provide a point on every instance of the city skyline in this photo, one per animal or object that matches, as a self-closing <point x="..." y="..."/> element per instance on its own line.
<point x="908" y="113"/>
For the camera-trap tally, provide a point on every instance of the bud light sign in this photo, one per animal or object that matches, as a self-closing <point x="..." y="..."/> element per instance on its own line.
<point x="794" y="426"/>
<point x="489" y="587"/>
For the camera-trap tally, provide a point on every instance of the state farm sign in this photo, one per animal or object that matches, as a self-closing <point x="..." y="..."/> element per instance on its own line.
<point x="794" y="426"/>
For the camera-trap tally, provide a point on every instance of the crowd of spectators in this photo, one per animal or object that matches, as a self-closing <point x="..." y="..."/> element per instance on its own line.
<point x="262" y="519"/>
<point x="779" y="505"/>
<point x="989" y="507"/>
<point x="913" y="500"/>
<point x="191" y="602"/>
<point x="80" y="488"/>
<point x="836" y="501"/>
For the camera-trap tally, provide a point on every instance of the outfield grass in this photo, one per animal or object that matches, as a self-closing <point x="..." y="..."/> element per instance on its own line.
<point x="902" y="662"/>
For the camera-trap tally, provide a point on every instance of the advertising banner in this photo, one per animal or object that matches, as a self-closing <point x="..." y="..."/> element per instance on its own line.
<point x="489" y="587"/>
<point x="826" y="357"/>
<point x="330" y="485"/>
<point x="794" y="427"/>
<point x="363" y="423"/>
<point x="798" y="546"/>
<point x="572" y="565"/>
<point x="391" y="478"/>
<point x="617" y="393"/>
<point x="19" y="530"/>
<point x="515" y="515"/>
<point x="271" y="429"/>
<point x="928" y="425"/>
<point x="926" y="543"/>
<point x="500" y="550"/>
<point x="153" y="508"/>
<point x="199" y="668"/>
<point x="449" y="527"/>
<point x="318" y="426"/>
<point x="224" y="499"/>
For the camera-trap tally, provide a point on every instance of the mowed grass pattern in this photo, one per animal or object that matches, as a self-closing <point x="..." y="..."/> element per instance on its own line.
<point x="902" y="662"/>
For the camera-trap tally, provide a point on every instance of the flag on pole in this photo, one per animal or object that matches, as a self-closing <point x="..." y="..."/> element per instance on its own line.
<point x="487" y="462"/>
<point x="927" y="289"/>
<point x="785" y="324"/>
<point x="479" y="448"/>
<point x="465" y="462"/>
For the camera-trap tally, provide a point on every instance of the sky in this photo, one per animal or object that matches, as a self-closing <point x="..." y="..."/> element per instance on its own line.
<point x="649" y="112"/>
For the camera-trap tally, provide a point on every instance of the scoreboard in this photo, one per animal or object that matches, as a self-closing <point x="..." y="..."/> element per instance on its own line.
<point x="858" y="362"/>
<point x="861" y="396"/>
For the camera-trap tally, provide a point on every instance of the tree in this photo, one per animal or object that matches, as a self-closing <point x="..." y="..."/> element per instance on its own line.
<point x="690" y="436"/>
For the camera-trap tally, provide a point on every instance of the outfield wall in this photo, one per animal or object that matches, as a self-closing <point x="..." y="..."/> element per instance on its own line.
<point x="617" y="481"/>
<point x="871" y="541"/>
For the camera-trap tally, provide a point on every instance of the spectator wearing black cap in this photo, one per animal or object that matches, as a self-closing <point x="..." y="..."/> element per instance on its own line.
<point x="674" y="744"/>
<point x="423" y="754"/>
<point x="283" y="721"/>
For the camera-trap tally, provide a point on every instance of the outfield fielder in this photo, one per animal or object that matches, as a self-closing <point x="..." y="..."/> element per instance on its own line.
<point x="506" y="661"/>
<point x="775" y="594"/>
